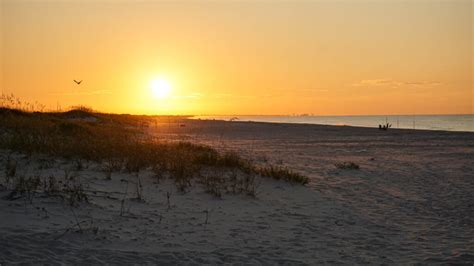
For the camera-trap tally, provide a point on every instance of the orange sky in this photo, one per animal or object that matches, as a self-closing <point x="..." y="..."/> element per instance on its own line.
<point x="242" y="57"/>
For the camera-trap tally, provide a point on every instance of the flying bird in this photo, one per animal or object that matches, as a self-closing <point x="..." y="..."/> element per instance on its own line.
<point x="78" y="82"/>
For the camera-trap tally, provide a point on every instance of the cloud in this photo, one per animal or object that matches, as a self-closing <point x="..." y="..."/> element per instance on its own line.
<point x="314" y="90"/>
<point x="228" y="95"/>
<point x="372" y="82"/>
<point x="76" y="93"/>
<point x="195" y="95"/>
<point x="422" y="83"/>
<point x="223" y="95"/>
<point x="393" y="83"/>
<point x="275" y="93"/>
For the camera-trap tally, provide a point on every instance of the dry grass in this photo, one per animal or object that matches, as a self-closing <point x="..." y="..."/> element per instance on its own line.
<point x="282" y="173"/>
<point x="70" y="191"/>
<point x="118" y="142"/>
<point x="347" y="166"/>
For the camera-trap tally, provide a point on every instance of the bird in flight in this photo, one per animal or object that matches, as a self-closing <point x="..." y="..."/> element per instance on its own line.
<point x="78" y="82"/>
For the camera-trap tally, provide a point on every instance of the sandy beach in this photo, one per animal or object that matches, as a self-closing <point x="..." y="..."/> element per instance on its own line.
<point x="411" y="201"/>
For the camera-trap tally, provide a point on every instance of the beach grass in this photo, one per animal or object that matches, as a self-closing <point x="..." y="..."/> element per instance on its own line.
<point x="119" y="143"/>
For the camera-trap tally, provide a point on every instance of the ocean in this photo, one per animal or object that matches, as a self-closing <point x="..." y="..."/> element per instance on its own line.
<point x="425" y="122"/>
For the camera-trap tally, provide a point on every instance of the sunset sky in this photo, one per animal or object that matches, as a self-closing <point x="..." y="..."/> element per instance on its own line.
<point x="241" y="57"/>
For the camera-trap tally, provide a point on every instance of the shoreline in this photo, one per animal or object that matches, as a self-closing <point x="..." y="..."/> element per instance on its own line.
<point x="211" y="118"/>
<point x="333" y="126"/>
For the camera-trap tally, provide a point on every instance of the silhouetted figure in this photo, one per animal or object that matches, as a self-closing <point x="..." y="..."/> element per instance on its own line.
<point x="385" y="127"/>
<point x="78" y="82"/>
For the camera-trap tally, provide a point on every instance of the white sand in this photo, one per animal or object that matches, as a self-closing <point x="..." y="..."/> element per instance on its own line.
<point x="411" y="201"/>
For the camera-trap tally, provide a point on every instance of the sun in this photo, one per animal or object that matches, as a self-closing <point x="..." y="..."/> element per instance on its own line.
<point x="160" y="88"/>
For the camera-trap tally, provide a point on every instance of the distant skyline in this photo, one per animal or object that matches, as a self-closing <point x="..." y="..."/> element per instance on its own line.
<point x="241" y="57"/>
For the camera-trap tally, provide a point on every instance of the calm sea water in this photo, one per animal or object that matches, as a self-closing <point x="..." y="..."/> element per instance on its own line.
<point x="426" y="122"/>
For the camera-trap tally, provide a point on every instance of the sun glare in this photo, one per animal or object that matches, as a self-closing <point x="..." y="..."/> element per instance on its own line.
<point x="160" y="88"/>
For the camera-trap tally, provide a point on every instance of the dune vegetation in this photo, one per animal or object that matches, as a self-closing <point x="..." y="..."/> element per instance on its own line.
<point x="120" y="144"/>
